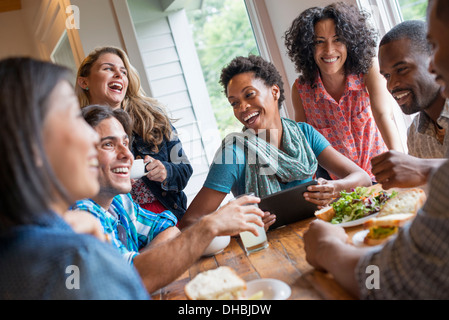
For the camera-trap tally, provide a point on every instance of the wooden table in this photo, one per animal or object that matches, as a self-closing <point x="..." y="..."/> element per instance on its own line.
<point x="284" y="259"/>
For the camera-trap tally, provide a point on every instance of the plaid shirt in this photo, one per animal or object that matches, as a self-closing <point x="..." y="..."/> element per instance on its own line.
<point x="141" y="225"/>
<point x="421" y="138"/>
<point x="415" y="265"/>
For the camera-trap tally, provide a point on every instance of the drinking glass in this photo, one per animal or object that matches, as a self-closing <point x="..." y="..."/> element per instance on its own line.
<point x="251" y="243"/>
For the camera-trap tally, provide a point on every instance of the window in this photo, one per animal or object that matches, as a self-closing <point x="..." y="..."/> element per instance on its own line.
<point x="221" y="31"/>
<point x="63" y="55"/>
<point x="413" y="9"/>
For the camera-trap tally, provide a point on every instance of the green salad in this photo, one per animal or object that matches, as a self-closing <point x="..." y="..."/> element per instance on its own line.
<point x="359" y="203"/>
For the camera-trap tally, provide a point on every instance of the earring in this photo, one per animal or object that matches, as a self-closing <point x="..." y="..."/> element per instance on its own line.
<point x="87" y="89"/>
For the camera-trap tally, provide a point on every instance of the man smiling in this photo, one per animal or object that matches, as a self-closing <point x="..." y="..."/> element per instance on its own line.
<point x="129" y="227"/>
<point x="151" y="242"/>
<point x="405" y="61"/>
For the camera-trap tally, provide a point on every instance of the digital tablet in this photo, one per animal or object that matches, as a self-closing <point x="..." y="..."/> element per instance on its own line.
<point x="289" y="205"/>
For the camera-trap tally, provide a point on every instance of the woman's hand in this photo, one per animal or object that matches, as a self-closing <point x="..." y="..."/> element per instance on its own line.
<point x="84" y="222"/>
<point x="156" y="169"/>
<point x="268" y="219"/>
<point x="323" y="193"/>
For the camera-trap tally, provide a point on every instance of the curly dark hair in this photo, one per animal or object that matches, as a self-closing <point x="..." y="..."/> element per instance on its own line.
<point x="350" y="26"/>
<point x="261" y="68"/>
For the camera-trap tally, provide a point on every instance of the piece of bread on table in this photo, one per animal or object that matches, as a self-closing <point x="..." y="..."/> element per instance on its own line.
<point x="222" y="283"/>
<point x="406" y="201"/>
<point x="381" y="228"/>
<point x="326" y="213"/>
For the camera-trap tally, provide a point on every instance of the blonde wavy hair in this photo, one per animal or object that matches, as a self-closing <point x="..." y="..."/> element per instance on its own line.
<point x="150" y="119"/>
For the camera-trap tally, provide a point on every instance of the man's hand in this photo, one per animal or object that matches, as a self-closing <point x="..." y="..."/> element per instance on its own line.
<point x="400" y="170"/>
<point x="237" y="216"/>
<point x="318" y="239"/>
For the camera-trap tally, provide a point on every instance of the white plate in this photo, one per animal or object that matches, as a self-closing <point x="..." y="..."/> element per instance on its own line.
<point x="357" y="222"/>
<point x="357" y="239"/>
<point x="272" y="289"/>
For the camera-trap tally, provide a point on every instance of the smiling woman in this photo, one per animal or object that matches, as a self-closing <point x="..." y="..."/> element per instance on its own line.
<point x="340" y="91"/>
<point x="271" y="153"/>
<point x="106" y="77"/>
<point x="107" y="81"/>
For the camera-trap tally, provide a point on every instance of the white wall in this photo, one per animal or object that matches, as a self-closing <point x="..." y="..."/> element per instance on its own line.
<point x="98" y="24"/>
<point x="16" y="40"/>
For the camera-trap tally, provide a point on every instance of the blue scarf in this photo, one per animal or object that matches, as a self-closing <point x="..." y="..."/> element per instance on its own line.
<point x="266" y="165"/>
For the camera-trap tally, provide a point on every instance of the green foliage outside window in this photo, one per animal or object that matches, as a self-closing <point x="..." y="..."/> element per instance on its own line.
<point x="413" y="9"/>
<point x="222" y="31"/>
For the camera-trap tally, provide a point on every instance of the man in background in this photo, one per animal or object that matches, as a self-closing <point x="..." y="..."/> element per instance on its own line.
<point x="404" y="59"/>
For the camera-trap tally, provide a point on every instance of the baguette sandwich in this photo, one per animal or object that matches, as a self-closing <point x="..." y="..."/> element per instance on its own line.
<point x="221" y="283"/>
<point x="407" y="201"/>
<point x="396" y="212"/>
<point x="382" y="228"/>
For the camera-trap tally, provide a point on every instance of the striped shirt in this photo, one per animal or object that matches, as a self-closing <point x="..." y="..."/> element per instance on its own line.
<point x="140" y="226"/>
<point x="422" y="140"/>
<point x="414" y="265"/>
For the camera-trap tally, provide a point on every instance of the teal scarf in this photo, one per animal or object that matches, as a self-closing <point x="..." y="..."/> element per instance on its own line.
<point x="267" y="166"/>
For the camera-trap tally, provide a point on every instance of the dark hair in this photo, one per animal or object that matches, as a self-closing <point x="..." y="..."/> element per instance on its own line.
<point x="350" y="26"/>
<point x="442" y="9"/>
<point x="261" y="68"/>
<point x="95" y="114"/>
<point x="28" y="182"/>
<point x="415" y="30"/>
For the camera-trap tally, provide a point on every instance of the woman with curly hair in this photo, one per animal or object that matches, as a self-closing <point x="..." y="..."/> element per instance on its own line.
<point x="271" y="153"/>
<point x="340" y="91"/>
<point x="106" y="77"/>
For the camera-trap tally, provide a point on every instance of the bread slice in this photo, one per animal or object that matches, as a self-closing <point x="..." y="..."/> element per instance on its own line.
<point x="382" y="228"/>
<point x="392" y="220"/>
<point x="221" y="283"/>
<point x="326" y="213"/>
<point x="406" y="201"/>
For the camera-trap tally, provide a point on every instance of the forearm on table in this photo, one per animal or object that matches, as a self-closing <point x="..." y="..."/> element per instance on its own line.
<point x="163" y="263"/>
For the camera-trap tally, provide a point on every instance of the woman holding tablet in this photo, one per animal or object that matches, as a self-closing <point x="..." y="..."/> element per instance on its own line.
<point x="271" y="153"/>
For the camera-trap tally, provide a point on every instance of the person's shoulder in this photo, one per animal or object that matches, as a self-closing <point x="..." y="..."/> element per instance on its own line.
<point x="57" y="256"/>
<point x="306" y="128"/>
<point x="102" y="266"/>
